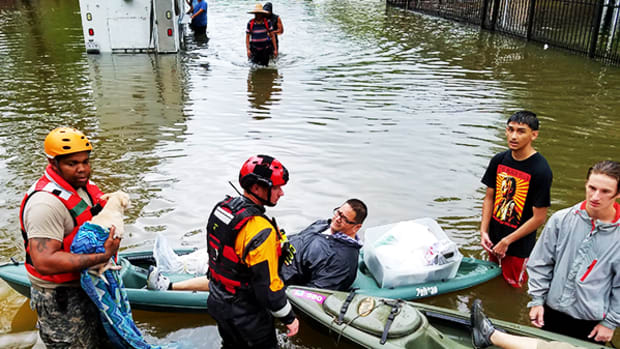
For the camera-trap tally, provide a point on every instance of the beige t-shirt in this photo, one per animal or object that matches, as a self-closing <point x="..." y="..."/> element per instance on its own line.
<point x="45" y="216"/>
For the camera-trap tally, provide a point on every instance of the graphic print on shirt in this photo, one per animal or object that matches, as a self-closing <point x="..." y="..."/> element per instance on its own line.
<point x="510" y="192"/>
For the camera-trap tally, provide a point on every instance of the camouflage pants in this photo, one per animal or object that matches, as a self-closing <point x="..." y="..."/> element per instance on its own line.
<point x="67" y="318"/>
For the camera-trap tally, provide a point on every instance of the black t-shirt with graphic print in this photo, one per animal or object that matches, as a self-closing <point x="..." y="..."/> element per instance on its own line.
<point x="519" y="186"/>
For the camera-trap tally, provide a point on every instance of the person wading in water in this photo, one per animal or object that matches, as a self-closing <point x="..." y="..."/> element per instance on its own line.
<point x="276" y="22"/>
<point x="260" y="41"/>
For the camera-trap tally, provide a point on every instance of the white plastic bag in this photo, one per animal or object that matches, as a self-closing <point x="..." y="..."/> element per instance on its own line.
<point x="440" y="252"/>
<point x="402" y="248"/>
<point x="196" y="262"/>
<point x="169" y="262"/>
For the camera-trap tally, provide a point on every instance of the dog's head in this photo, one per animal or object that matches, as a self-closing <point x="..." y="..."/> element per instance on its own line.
<point x="119" y="197"/>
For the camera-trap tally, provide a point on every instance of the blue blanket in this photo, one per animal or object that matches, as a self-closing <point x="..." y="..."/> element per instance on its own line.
<point x="110" y="298"/>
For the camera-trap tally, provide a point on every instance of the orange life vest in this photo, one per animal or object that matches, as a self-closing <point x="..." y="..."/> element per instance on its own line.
<point x="80" y="211"/>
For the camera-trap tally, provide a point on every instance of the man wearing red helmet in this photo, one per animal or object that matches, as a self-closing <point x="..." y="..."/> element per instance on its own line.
<point x="243" y="244"/>
<point x="50" y="214"/>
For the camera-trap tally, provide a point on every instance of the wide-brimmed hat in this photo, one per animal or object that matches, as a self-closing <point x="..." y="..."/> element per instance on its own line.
<point x="258" y="8"/>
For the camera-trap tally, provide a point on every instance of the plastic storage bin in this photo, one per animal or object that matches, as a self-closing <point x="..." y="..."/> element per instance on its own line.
<point x="410" y="252"/>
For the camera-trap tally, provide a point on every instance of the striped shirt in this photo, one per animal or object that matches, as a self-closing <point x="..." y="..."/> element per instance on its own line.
<point x="259" y="34"/>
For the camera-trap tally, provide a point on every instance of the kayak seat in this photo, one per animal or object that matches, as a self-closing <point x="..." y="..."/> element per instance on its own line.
<point x="406" y="321"/>
<point x="134" y="276"/>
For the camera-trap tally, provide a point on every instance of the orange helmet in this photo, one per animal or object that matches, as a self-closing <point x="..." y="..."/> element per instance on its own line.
<point x="65" y="140"/>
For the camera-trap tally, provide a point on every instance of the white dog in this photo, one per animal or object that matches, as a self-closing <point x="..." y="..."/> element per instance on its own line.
<point x="111" y="215"/>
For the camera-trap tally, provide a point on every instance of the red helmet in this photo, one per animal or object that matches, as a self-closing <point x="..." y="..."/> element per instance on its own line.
<point x="262" y="169"/>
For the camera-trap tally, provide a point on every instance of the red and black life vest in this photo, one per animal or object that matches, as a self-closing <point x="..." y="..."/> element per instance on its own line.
<point x="253" y="20"/>
<point x="225" y="222"/>
<point x="80" y="211"/>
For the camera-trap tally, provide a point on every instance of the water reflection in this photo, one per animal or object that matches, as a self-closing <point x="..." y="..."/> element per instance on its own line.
<point x="262" y="84"/>
<point x="43" y="84"/>
<point x="399" y="109"/>
<point x="12" y="307"/>
<point x="138" y="101"/>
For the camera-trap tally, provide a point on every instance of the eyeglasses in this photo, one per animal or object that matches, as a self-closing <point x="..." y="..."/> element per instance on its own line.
<point x="340" y="215"/>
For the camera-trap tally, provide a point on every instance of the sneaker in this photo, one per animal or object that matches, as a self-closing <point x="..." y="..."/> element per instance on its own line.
<point x="156" y="280"/>
<point x="481" y="326"/>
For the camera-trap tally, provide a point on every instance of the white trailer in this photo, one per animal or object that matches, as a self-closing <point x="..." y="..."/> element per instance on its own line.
<point x="123" y="26"/>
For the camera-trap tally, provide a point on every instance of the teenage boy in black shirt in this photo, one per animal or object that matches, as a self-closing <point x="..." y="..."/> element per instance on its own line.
<point x="518" y="184"/>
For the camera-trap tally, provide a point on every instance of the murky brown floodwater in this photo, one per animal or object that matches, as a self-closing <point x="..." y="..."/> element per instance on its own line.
<point x="401" y="110"/>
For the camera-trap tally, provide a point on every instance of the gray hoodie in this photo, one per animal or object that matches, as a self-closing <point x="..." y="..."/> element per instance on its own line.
<point x="575" y="266"/>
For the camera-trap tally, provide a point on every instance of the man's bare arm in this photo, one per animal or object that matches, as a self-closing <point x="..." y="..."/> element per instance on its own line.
<point x="487" y="208"/>
<point x="197" y="13"/>
<point x="540" y="214"/>
<point x="49" y="258"/>
<point x="280" y="27"/>
<point x="275" y="44"/>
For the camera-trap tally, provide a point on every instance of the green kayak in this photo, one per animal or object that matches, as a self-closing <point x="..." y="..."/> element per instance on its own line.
<point x="413" y="325"/>
<point x="134" y="272"/>
<point x="135" y="268"/>
<point x="471" y="272"/>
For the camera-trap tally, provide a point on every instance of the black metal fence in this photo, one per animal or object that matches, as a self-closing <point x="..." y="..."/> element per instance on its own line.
<point x="591" y="27"/>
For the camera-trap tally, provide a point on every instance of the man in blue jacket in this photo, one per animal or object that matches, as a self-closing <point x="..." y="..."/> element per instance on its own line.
<point x="326" y="254"/>
<point x="327" y="251"/>
<point x="199" y="17"/>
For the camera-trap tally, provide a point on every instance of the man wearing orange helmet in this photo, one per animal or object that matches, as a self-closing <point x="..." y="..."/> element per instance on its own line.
<point x="50" y="214"/>
<point x="244" y="248"/>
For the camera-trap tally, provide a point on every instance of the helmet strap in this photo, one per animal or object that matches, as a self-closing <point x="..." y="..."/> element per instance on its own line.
<point x="262" y="201"/>
<point x="268" y="201"/>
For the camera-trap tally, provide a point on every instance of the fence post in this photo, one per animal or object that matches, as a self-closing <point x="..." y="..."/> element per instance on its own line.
<point x="483" y="15"/>
<point x="530" y="19"/>
<point x="494" y="14"/>
<point x="596" y="28"/>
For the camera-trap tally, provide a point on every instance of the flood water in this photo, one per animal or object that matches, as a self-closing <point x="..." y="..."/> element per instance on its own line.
<point x="401" y="110"/>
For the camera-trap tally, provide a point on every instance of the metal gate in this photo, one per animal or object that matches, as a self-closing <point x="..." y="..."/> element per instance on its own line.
<point x="590" y="27"/>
